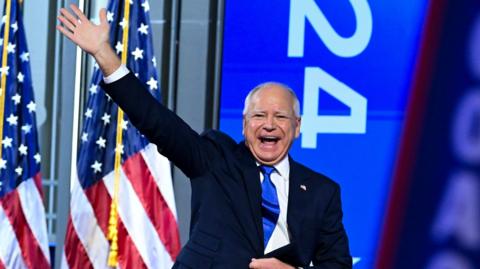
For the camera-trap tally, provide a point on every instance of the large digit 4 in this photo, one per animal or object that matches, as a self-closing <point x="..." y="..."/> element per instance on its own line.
<point x="315" y="80"/>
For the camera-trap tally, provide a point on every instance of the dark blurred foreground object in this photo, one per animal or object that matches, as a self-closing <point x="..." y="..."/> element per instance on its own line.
<point x="433" y="220"/>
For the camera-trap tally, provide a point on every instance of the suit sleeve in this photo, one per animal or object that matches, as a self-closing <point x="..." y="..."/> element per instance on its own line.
<point x="332" y="250"/>
<point x="173" y="137"/>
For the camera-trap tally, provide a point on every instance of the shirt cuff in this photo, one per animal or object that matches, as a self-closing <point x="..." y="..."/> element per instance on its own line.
<point x="118" y="74"/>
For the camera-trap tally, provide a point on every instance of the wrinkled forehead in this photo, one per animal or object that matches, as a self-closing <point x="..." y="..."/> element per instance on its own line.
<point x="272" y="96"/>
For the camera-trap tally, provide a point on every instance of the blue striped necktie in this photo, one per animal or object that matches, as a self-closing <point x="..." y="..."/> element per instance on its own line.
<point x="270" y="206"/>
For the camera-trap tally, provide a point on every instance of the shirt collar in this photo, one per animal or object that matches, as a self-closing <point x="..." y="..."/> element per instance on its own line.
<point x="282" y="168"/>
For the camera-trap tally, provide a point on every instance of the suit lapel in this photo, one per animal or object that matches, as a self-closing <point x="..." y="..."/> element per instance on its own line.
<point x="298" y="199"/>
<point x="253" y="214"/>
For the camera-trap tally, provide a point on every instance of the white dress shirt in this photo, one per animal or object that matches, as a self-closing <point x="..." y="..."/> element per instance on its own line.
<point x="280" y="236"/>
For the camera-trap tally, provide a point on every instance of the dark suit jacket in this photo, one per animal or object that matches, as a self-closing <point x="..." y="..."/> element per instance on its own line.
<point x="226" y="225"/>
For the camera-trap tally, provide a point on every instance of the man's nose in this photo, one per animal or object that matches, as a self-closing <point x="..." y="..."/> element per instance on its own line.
<point x="269" y="123"/>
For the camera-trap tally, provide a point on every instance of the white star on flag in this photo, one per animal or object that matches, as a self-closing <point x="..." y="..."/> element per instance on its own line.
<point x="27" y="128"/>
<point x="7" y="142"/>
<point x="101" y="142"/>
<point x="119" y="148"/>
<point x="97" y="167"/>
<point x="3" y="164"/>
<point x="4" y="70"/>
<point x="137" y="53"/>
<point x="93" y="89"/>
<point x="14" y="26"/>
<point x="109" y="16"/>
<point x="143" y="29"/>
<point x="85" y="137"/>
<point x="89" y="113"/>
<point x="11" y="47"/>
<point x="22" y="149"/>
<point x="123" y="23"/>
<point x="124" y="124"/>
<point x="16" y="99"/>
<point x="24" y="56"/>
<point x="12" y="120"/>
<point x="20" y="77"/>
<point x="154" y="61"/>
<point x="37" y="157"/>
<point x="146" y="6"/>
<point x="106" y="118"/>
<point x="119" y="47"/>
<point x="152" y="83"/>
<point x="19" y="170"/>
<point x="31" y="106"/>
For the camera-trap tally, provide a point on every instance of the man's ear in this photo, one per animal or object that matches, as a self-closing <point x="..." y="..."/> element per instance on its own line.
<point x="297" y="128"/>
<point x="244" y="122"/>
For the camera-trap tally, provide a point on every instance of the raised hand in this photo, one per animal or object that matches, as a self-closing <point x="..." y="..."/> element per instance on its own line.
<point x="92" y="38"/>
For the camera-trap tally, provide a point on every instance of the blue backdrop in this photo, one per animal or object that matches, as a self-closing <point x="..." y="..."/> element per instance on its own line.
<point x="354" y="60"/>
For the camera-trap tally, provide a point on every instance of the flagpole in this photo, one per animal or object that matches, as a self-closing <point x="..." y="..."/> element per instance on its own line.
<point x="3" y="83"/>
<point x="113" y="220"/>
<point x="76" y="109"/>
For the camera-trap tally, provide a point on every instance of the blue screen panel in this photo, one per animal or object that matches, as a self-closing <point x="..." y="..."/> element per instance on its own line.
<point x="351" y="65"/>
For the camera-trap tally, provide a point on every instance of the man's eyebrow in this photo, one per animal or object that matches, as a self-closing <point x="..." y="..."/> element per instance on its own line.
<point x="288" y="112"/>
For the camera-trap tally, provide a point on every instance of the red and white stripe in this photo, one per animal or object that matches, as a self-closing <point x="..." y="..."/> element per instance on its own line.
<point x="23" y="232"/>
<point x="147" y="229"/>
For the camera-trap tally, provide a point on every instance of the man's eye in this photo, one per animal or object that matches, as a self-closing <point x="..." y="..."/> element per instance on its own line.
<point x="258" y="116"/>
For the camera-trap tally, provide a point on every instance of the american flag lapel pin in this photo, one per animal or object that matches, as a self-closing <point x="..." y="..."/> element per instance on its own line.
<point x="303" y="187"/>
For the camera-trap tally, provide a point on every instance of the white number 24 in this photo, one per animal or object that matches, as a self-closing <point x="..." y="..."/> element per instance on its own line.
<point x="317" y="79"/>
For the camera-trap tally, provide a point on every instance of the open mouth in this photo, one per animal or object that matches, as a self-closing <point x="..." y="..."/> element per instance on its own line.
<point x="269" y="140"/>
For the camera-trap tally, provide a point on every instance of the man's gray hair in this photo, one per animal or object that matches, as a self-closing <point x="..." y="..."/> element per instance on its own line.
<point x="248" y="99"/>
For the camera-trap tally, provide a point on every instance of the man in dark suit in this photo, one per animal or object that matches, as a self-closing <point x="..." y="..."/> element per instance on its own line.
<point x="252" y="205"/>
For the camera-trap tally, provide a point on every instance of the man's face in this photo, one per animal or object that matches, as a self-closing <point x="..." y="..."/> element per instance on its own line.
<point x="270" y="124"/>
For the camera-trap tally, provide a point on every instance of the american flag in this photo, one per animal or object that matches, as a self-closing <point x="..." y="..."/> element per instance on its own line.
<point x="147" y="227"/>
<point x="23" y="233"/>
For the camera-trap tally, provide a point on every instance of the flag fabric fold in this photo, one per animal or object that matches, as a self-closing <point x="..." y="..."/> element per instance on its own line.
<point x="23" y="232"/>
<point x="147" y="223"/>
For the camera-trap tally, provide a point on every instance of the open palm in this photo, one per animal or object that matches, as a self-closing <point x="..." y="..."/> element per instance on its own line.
<point x="87" y="35"/>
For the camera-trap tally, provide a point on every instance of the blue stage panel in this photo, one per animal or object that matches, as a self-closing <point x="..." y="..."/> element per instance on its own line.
<point x="361" y="91"/>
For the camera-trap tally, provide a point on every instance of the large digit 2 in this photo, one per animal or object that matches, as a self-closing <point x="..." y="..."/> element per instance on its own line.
<point x="306" y="10"/>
